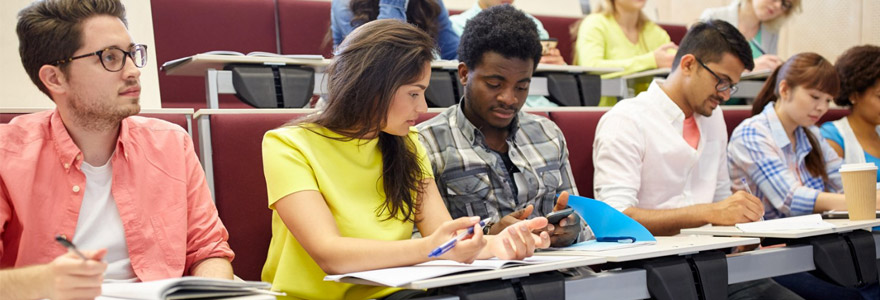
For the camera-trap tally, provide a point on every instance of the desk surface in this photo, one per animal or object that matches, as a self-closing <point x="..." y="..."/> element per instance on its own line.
<point x="666" y="246"/>
<point x="841" y="225"/>
<point x="508" y="273"/>
<point x="197" y="64"/>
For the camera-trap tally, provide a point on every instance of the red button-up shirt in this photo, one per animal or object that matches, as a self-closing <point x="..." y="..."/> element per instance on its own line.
<point x="169" y="219"/>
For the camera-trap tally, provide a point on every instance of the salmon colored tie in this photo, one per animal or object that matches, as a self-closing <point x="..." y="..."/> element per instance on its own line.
<point x="691" y="132"/>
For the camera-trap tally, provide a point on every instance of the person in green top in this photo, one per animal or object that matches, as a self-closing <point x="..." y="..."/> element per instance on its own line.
<point x="618" y="35"/>
<point x="348" y="185"/>
<point x="759" y="21"/>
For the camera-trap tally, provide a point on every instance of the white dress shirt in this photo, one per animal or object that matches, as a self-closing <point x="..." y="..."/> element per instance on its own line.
<point x="641" y="158"/>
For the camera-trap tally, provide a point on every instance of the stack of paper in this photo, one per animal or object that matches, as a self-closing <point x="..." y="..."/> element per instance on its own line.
<point x="813" y="221"/>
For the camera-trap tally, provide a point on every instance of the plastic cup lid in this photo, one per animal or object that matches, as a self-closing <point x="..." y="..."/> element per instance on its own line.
<point x="858" y="167"/>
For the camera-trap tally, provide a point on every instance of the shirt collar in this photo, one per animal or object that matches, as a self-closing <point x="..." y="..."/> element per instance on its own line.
<point x="69" y="153"/>
<point x="667" y="107"/>
<point x="780" y="137"/>
<point x="470" y="132"/>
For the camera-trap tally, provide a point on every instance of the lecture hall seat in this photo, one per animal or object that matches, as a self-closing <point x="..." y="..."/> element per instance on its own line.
<point x="240" y="187"/>
<point x="184" y="28"/>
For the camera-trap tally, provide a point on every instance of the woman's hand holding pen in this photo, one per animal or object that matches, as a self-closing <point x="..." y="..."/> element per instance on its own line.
<point x="466" y="249"/>
<point x="69" y="276"/>
<point x="518" y="242"/>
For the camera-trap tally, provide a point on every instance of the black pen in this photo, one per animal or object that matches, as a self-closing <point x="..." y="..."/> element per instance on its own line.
<point x="67" y="244"/>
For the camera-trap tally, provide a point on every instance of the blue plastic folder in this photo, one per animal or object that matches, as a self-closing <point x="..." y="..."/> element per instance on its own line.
<point x="612" y="228"/>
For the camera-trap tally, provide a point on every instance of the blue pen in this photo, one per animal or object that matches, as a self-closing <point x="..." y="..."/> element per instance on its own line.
<point x="451" y="243"/>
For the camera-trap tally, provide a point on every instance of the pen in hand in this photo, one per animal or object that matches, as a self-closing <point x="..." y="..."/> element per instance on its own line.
<point x="67" y="244"/>
<point x="748" y="190"/>
<point x="451" y="243"/>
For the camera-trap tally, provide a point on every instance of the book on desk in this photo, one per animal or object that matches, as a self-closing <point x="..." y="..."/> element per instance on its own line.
<point x="400" y="276"/>
<point x="188" y="288"/>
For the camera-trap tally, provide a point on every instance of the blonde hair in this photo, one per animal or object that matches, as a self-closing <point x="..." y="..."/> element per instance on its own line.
<point x="776" y="24"/>
<point x="606" y="7"/>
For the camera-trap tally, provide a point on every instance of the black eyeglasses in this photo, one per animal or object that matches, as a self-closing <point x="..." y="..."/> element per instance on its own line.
<point x="113" y="58"/>
<point x="722" y="85"/>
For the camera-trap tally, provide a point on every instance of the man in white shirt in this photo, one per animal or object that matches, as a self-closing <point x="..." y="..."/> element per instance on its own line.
<point x="661" y="158"/>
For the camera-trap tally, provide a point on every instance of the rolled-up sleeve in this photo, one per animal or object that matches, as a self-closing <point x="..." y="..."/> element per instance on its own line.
<point x="617" y="159"/>
<point x="206" y="236"/>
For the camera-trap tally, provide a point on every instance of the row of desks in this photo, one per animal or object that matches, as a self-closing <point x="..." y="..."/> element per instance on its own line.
<point x="548" y="78"/>
<point x="631" y="283"/>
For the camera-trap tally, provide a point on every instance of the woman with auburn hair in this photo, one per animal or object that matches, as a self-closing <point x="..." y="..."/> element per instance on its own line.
<point x="783" y="159"/>
<point x="347" y="185"/>
<point x="856" y="137"/>
<point x="759" y="21"/>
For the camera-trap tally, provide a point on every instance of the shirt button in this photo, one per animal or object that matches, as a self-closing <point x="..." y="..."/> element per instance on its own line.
<point x="66" y="165"/>
<point x="79" y="157"/>
<point x="76" y="189"/>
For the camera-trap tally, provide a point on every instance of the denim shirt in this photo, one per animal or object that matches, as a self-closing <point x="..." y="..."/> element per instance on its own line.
<point x="340" y="23"/>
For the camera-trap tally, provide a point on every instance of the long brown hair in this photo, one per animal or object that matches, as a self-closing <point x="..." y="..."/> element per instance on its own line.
<point x="422" y="13"/>
<point x="370" y="65"/>
<point x="808" y="70"/>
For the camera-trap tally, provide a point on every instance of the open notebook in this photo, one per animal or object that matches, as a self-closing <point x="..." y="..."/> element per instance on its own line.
<point x="613" y="229"/>
<point x="175" y="62"/>
<point x="403" y="275"/>
<point x="187" y="288"/>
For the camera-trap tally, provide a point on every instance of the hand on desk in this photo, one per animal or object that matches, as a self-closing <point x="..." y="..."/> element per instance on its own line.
<point x="665" y="54"/>
<point x="71" y="277"/>
<point x="518" y="240"/>
<point x="465" y="250"/>
<point x="741" y="207"/>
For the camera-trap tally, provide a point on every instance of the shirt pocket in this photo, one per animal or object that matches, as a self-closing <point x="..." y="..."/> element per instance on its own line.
<point x="468" y="193"/>
<point x="551" y="180"/>
<point x="170" y="228"/>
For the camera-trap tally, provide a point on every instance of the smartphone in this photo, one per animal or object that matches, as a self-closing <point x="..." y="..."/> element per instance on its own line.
<point x="556" y="216"/>
<point x="548" y="44"/>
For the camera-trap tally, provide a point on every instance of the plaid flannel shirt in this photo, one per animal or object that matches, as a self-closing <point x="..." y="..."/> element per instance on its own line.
<point x="775" y="170"/>
<point x="473" y="179"/>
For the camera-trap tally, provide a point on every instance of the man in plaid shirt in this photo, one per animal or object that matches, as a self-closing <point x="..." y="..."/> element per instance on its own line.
<point x="489" y="158"/>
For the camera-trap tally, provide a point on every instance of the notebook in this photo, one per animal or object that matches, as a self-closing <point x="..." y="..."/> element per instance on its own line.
<point x="403" y="275"/>
<point x="187" y="288"/>
<point x="613" y="229"/>
<point x="813" y="221"/>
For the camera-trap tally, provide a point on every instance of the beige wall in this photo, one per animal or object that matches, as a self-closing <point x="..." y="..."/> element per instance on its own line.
<point x="827" y="27"/>
<point x="19" y="92"/>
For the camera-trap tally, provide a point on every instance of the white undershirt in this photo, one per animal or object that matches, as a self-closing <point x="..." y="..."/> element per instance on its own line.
<point x="99" y="224"/>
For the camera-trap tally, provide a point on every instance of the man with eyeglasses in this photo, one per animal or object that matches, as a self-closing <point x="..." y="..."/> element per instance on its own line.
<point x="129" y="191"/>
<point x="661" y="157"/>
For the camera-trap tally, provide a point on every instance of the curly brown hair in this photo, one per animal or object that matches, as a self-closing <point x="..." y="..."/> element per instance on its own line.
<point x="859" y="69"/>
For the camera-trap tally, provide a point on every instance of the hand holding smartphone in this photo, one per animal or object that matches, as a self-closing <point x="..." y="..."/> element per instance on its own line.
<point x="547" y="44"/>
<point x="556" y="216"/>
